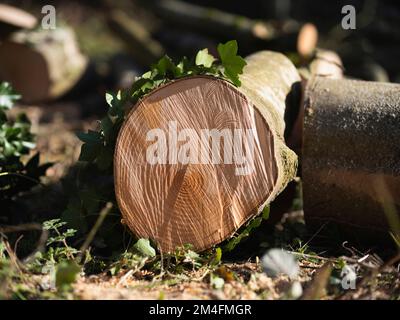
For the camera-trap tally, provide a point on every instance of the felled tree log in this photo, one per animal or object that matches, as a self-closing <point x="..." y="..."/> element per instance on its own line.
<point x="176" y="184"/>
<point x="351" y="156"/>
<point x="42" y="64"/>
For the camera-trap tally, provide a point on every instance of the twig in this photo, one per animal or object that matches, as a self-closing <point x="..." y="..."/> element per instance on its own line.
<point x="20" y="175"/>
<point x="103" y="213"/>
<point x="126" y="276"/>
<point x="334" y="260"/>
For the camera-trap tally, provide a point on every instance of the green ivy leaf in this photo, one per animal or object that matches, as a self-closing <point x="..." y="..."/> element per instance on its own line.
<point x="265" y="213"/>
<point x="217" y="257"/>
<point x="203" y="58"/>
<point x="28" y="144"/>
<point x="165" y="65"/>
<point x="145" y="248"/>
<point x="141" y="85"/>
<point x="232" y="63"/>
<point x="183" y="67"/>
<point x="16" y="140"/>
<point x="109" y="98"/>
<point x="244" y="233"/>
<point x="147" y="75"/>
<point x="66" y="272"/>
<point x="91" y="148"/>
<point x="107" y="127"/>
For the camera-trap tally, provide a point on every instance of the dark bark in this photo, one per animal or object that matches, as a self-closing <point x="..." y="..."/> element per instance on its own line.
<point x="351" y="156"/>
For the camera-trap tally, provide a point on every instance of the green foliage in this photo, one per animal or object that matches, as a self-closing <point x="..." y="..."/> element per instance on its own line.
<point x="6" y="271"/>
<point x="144" y="247"/>
<point x="233" y="64"/>
<point x="245" y="231"/>
<point x="58" y="261"/>
<point x="57" y="248"/>
<point x="56" y="235"/>
<point x="15" y="137"/>
<point x="142" y="255"/>
<point x="186" y="255"/>
<point x="128" y="260"/>
<point x="66" y="272"/>
<point x="216" y="260"/>
<point x="7" y="96"/>
<point x="137" y="257"/>
<point x="16" y="141"/>
<point x="216" y="282"/>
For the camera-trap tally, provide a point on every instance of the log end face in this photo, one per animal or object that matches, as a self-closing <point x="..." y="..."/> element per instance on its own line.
<point x="194" y="161"/>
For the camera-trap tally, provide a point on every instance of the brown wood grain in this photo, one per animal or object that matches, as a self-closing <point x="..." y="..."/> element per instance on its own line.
<point x="204" y="203"/>
<point x="201" y="204"/>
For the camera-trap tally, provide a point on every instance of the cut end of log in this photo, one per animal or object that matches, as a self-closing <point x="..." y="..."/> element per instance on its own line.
<point x="169" y="186"/>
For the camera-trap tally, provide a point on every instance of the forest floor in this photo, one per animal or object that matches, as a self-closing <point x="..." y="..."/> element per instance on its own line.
<point x="242" y="278"/>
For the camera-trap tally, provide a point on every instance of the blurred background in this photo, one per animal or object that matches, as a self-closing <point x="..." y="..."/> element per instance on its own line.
<point x="105" y="44"/>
